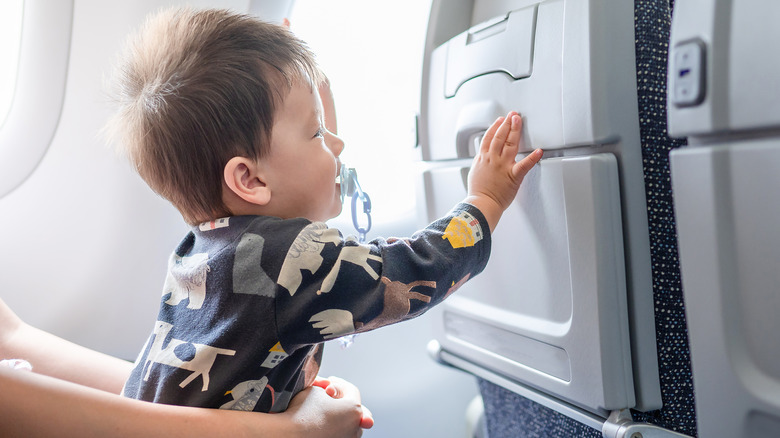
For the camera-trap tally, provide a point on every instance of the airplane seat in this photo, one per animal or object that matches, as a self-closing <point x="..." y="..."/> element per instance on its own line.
<point x="509" y="414"/>
<point x="723" y="97"/>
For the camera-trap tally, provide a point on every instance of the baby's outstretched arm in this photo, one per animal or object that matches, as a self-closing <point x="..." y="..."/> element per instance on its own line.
<point x="495" y="176"/>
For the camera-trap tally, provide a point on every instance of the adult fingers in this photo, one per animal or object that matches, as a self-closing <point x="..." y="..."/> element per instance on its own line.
<point x="367" y="421"/>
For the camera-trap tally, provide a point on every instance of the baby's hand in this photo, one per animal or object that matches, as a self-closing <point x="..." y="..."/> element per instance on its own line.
<point x="495" y="176"/>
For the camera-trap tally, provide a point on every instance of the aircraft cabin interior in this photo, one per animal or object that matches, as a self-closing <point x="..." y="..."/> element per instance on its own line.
<point x="632" y="289"/>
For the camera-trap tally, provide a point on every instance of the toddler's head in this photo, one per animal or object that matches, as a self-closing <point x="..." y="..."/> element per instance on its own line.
<point x="197" y="88"/>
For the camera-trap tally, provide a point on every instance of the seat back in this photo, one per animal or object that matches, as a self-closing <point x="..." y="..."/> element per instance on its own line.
<point x="510" y="414"/>
<point x="723" y="95"/>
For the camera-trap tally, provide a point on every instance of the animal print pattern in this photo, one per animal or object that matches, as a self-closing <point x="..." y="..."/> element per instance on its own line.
<point x="248" y="301"/>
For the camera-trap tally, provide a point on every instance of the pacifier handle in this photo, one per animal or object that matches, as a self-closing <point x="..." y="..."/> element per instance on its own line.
<point x="351" y="187"/>
<point x="367" y="210"/>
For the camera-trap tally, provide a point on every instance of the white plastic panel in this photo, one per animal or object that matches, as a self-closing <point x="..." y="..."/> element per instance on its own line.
<point x="522" y="59"/>
<point x="11" y="35"/>
<point x="482" y="49"/>
<point x="579" y="101"/>
<point x="40" y="90"/>
<point x="726" y="188"/>
<point x="739" y="39"/>
<point x="727" y="202"/>
<point x="559" y="321"/>
<point x="754" y="85"/>
<point x="498" y="90"/>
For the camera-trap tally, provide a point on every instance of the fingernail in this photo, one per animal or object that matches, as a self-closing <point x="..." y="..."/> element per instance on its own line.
<point x="515" y="120"/>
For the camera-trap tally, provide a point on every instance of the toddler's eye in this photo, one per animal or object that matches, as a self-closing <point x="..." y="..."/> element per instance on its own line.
<point x="320" y="133"/>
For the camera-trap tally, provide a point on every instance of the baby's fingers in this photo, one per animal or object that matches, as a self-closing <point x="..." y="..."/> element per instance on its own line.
<point x="522" y="167"/>
<point x="498" y="141"/>
<point x="508" y="132"/>
<point x="484" y="147"/>
<point x="512" y="142"/>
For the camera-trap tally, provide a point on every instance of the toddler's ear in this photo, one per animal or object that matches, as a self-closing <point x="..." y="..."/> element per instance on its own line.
<point x="243" y="178"/>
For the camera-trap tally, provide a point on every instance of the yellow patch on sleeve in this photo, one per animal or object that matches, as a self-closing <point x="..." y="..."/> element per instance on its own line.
<point x="463" y="231"/>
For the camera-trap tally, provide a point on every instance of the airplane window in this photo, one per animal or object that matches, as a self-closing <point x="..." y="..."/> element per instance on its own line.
<point x="10" y="38"/>
<point x="372" y="54"/>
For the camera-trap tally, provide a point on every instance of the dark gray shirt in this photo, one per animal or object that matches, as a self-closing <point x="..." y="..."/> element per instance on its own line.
<point x="249" y="299"/>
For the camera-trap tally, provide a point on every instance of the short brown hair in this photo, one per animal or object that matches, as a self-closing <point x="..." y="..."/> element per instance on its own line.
<point x="196" y="88"/>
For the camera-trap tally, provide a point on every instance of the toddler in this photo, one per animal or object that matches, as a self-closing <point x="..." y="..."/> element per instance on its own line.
<point x="220" y="114"/>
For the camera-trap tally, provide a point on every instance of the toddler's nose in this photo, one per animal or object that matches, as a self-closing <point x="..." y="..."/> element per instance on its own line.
<point x="335" y="143"/>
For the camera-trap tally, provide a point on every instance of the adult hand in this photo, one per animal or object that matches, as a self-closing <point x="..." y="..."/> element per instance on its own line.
<point x="339" y="388"/>
<point x="319" y="415"/>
